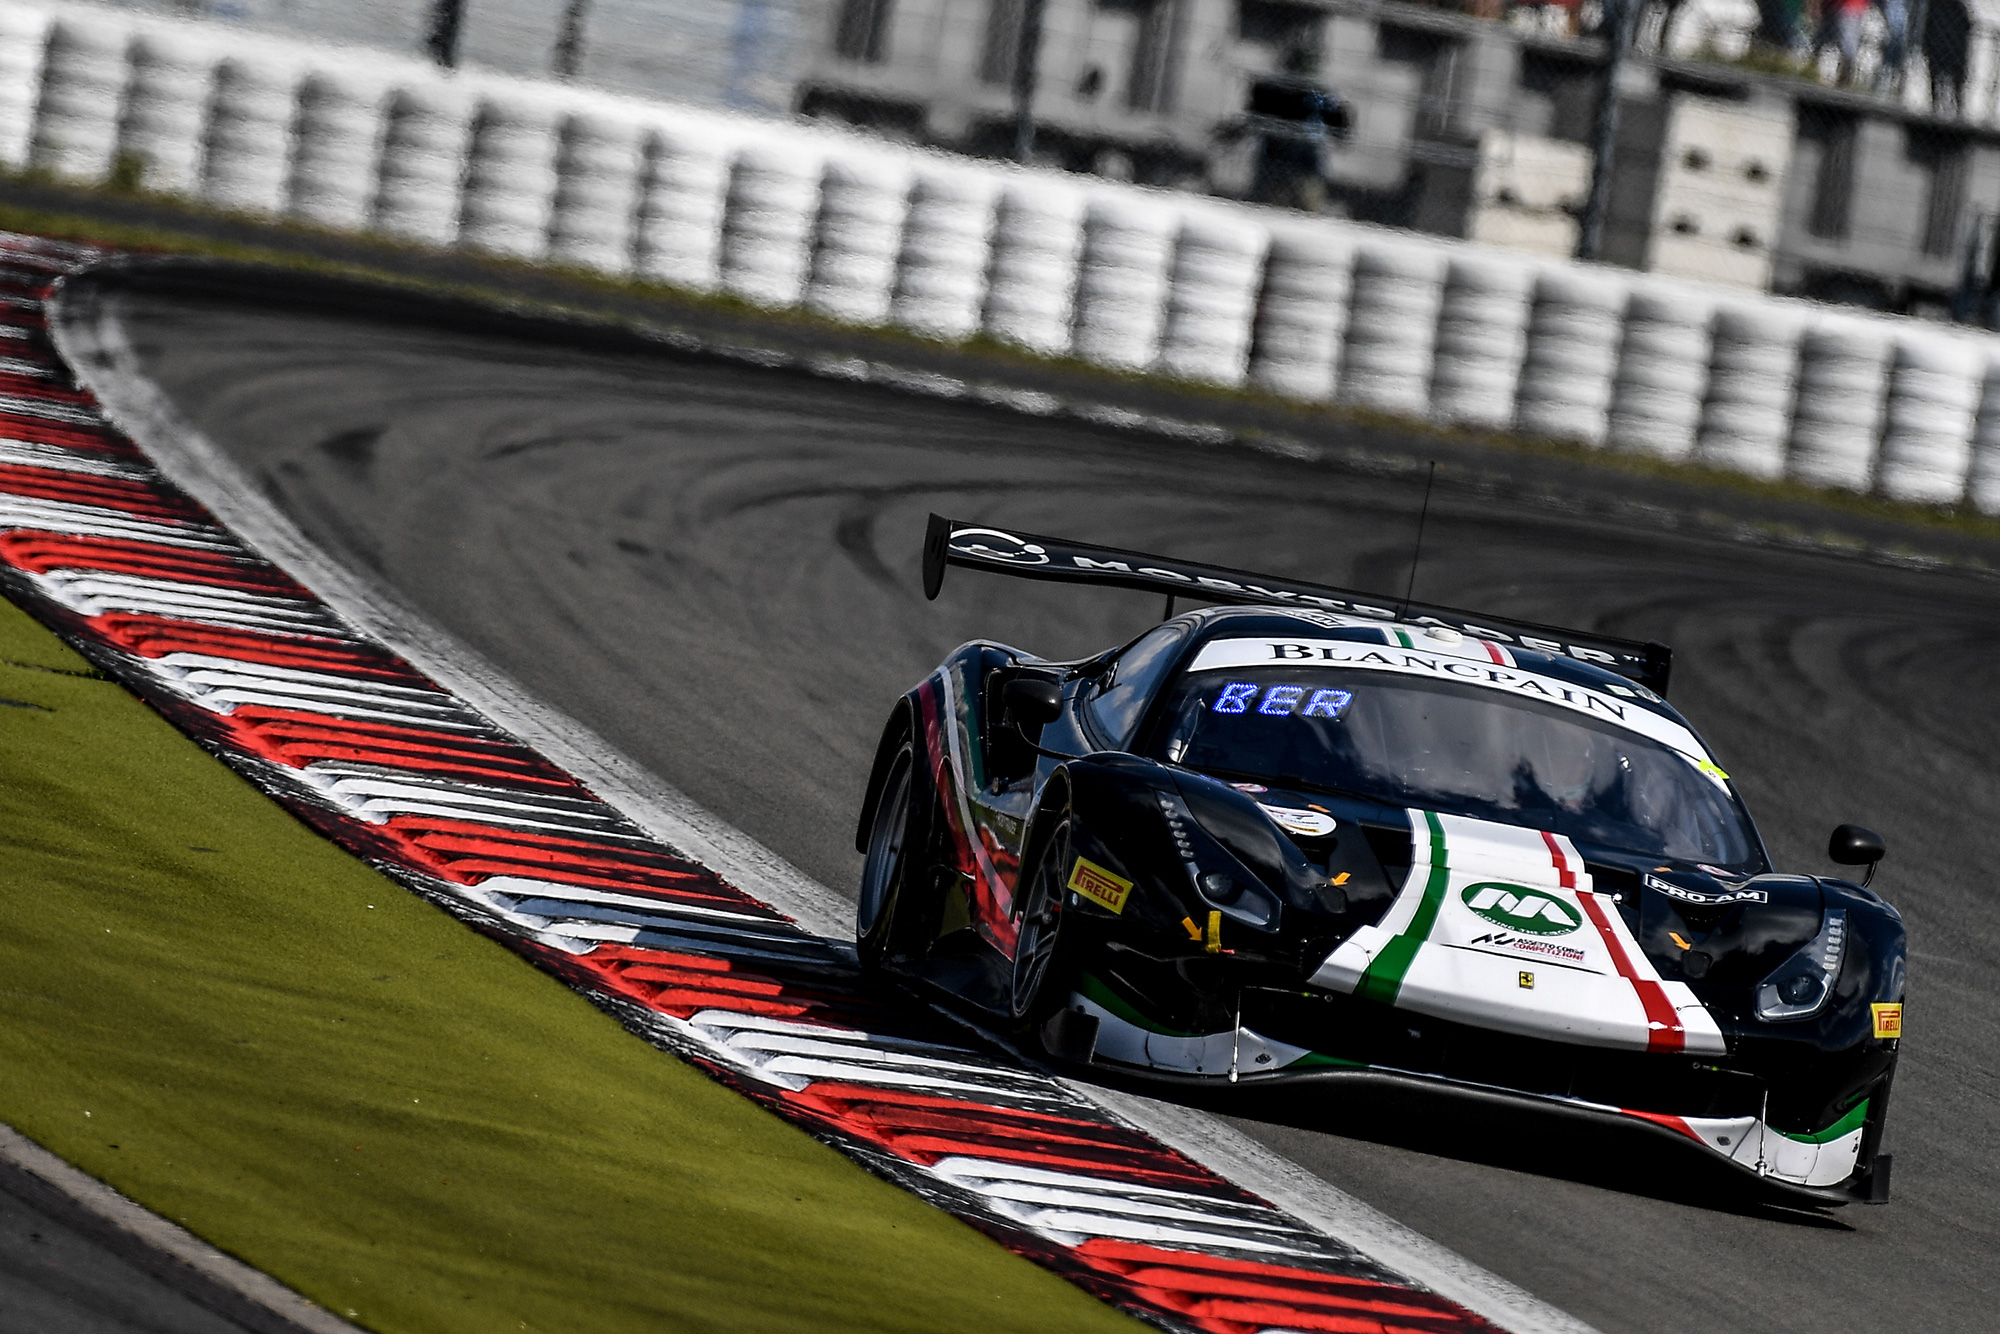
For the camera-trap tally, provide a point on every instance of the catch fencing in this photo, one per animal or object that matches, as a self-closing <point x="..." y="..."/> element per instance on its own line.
<point x="791" y="215"/>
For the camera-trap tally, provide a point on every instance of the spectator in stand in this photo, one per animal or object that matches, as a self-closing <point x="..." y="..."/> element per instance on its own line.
<point x="1840" y="26"/>
<point x="1782" y="24"/>
<point x="1895" y="46"/>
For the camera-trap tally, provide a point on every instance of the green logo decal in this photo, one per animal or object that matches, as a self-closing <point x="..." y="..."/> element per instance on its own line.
<point x="1519" y="908"/>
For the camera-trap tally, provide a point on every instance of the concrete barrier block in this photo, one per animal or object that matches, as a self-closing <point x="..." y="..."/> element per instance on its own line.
<point x="1482" y="339"/>
<point x="767" y="223"/>
<point x="1121" y="295"/>
<point x="863" y="199"/>
<point x="166" y="104"/>
<point x="424" y="144"/>
<point x="1662" y="377"/>
<point x="1753" y="368"/>
<point x="333" y="184"/>
<point x="1935" y="387"/>
<point x="1302" y="311"/>
<point x="1037" y="248"/>
<point x="1212" y="289"/>
<point x="597" y="189"/>
<point x="83" y="85"/>
<point x="683" y="193"/>
<point x="947" y="238"/>
<point x="1392" y="326"/>
<point x="1982" y="481"/>
<point x="510" y="174"/>
<point x="1837" y="412"/>
<point x="247" y="149"/>
<point x="24" y="36"/>
<point x="1572" y="354"/>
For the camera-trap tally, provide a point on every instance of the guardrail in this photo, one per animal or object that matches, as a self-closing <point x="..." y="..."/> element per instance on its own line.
<point x="786" y="214"/>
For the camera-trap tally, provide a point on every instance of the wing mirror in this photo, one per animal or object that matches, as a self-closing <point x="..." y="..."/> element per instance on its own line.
<point x="1032" y="702"/>
<point x="1851" y="845"/>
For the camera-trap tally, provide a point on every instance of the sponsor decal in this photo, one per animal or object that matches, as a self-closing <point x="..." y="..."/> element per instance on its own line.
<point x="1306" y="824"/>
<point x="1448" y="665"/>
<point x="1099" y="885"/>
<point x="1214" y="945"/>
<point x="1546" y="948"/>
<point x="992" y="544"/>
<point x="1518" y="908"/>
<point x="1703" y="897"/>
<point x="1527" y="981"/>
<point x="1888" y="1019"/>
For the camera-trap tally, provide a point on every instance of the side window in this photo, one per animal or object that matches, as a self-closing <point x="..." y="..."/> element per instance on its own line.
<point x="1120" y="701"/>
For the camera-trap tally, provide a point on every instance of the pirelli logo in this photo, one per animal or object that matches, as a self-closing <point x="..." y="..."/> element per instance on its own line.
<point x="1100" y="886"/>
<point x="1888" y="1019"/>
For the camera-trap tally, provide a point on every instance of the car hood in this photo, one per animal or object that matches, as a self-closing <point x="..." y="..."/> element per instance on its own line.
<point x="1501" y="927"/>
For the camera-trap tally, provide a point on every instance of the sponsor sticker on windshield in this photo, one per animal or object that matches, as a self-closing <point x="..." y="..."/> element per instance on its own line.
<point x="1102" y="887"/>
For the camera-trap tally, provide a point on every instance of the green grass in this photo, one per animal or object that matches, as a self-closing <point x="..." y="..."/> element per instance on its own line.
<point x="241" y="1027"/>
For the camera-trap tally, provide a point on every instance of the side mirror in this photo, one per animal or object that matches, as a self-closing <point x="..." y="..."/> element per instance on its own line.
<point x="1032" y="702"/>
<point x="1851" y="845"/>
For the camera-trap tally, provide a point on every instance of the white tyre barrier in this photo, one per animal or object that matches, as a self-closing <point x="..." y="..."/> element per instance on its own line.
<point x="1573" y="337"/>
<point x="166" y="100"/>
<point x="24" y="37"/>
<point x="1212" y="288"/>
<point x="1121" y="286"/>
<point x="1837" y="412"/>
<point x="1392" y="327"/>
<point x="424" y="144"/>
<point x="248" y="153"/>
<point x="83" y="83"/>
<point x="862" y="201"/>
<point x="1662" y="376"/>
<point x="339" y="131"/>
<point x="1982" y="481"/>
<point x="1037" y="247"/>
<point x="1934" y="393"/>
<point x="767" y="227"/>
<point x="1482" y="339"/>
<point x="683" y="194"/>
<point x="1746" y="421"/>
<point x="1302" y="312"/>
<point x="510" y="176"/>
<point x="947" y="239"/>
<point x="597" y="191"/>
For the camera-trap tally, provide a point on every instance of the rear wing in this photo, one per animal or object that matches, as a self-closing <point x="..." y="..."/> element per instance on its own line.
<point x="1030" y="556"/>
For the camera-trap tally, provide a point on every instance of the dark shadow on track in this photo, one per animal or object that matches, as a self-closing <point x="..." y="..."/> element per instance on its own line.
<point x="715" y="566"/>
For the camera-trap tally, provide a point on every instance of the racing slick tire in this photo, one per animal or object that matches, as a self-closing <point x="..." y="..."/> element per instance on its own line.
<point x="896" y="866"/>
<point x="1042" y="969"/>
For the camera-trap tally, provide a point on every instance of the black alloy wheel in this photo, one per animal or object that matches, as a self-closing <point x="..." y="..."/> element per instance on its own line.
<point x="884" y="872"/>
<point x="1041" y="984"/>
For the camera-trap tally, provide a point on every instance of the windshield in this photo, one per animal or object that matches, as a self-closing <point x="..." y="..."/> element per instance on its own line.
<point x="1443" y="746"/>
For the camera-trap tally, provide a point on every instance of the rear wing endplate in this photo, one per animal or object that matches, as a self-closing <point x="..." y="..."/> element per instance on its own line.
<point x="1031" y="556"/>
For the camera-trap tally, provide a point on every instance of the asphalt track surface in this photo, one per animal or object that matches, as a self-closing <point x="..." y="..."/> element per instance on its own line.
<point x="714" y="565"/>
<point x="55" y="1280"/>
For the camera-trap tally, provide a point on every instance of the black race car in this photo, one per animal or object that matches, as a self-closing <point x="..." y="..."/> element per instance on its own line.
<point x="1306" y="834"/>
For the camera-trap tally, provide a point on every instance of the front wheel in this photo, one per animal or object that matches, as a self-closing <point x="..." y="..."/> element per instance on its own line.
<point x="1041" y="980"/>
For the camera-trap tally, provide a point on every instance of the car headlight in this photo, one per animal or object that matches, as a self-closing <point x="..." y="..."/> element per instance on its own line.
<point x="1802" y="983"/>
<point x="1221" y="881"/>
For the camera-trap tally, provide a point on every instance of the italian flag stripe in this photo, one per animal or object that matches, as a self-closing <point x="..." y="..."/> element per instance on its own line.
<point x="1664" y="1031"/>
<point x="1384" y="976"/>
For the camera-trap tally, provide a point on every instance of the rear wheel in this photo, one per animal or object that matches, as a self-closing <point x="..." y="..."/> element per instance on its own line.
<point x="1041" y="977"/>
<point x="894" y="852"/>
